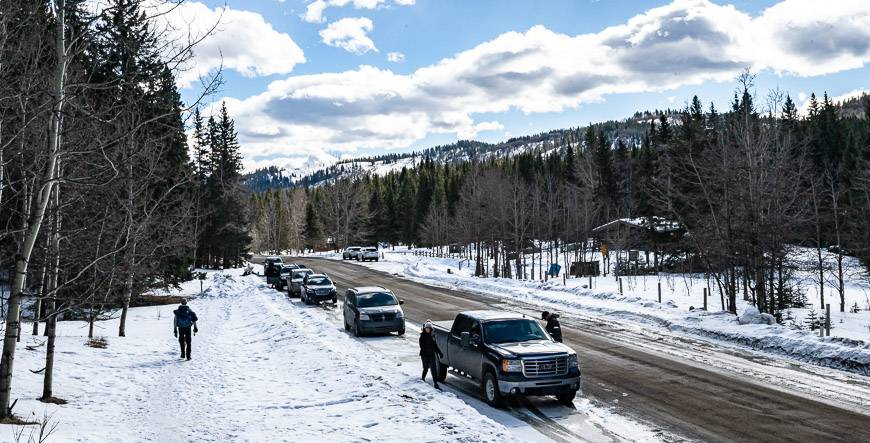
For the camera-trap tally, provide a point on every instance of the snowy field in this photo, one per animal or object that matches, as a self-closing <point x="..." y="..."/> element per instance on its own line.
<point x="848" y="347"/>
<point x="264" y="368"/>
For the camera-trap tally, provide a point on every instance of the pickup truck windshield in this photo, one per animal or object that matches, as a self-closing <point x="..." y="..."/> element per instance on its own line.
<point x="319" y="281"/>
<point x="373" y="299"/>
<point x="512" y="331"/>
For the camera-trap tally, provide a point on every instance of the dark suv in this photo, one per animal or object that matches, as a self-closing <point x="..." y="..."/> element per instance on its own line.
<point x="317" y="288"/>
<point x="373" y="310"/>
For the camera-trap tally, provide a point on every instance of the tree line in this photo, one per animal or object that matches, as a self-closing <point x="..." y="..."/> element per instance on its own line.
<point x="745" y="184"/>
<point x="100" y="199"/>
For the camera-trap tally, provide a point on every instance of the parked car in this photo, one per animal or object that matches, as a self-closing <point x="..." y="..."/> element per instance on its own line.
<point x="366" y="254"/>
<point x="317" y="288"/>
<point x="373" y="309"/>
<point x="350" y="253"/>
<point x="294" y="287"/>
<point x="272" y="270"/>
<point x="509" y="354"/>
<point x="285" y="274"/>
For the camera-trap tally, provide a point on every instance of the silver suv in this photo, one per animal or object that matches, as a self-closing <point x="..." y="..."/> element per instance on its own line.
<point x="367" y="254"/>
<point x="373" y="309"/>
<point x="294" y="283"/>
<point x="350" y="253"/>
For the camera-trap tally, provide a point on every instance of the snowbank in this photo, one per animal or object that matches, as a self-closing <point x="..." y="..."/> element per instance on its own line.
<point x="263" y="369"/>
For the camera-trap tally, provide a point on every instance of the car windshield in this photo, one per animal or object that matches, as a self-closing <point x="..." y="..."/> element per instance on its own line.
<point x="373" y="299"/>
<point x="512" y="331"/>
<point x="371" y="250"/>
<point x="287" y="269"/>
<point x="301" y="274"/>
<point x="319" y="281"/>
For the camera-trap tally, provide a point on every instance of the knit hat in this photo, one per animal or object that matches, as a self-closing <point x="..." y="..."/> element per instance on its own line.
<point x="428" y="324"/>
<point x="184" y="301"/>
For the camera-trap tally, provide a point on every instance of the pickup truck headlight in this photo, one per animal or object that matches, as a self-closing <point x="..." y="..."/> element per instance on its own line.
<point x="363" y="316"/>
<point x="511" y="365"/>
<point x="573" y="361"/>
<point x="400" y="314"/>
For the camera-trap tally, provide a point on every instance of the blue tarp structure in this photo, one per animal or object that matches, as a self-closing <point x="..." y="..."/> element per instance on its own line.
<point x="554" y="269"/>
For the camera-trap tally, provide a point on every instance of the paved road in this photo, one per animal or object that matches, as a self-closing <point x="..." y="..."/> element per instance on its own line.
<point x="679" y="396"/>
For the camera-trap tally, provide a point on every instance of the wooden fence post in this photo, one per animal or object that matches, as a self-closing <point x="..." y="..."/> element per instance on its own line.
<point x="620" y="285"/>
<point x="828" y="320"/>
<point x="705" y="299"/>
<point x="660" y="292"/>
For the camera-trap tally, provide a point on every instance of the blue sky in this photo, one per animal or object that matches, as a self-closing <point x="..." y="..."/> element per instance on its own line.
<point x="321" y="85"/>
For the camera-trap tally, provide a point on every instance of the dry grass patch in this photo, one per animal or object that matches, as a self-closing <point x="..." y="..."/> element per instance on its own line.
<point x="98" y="342"/>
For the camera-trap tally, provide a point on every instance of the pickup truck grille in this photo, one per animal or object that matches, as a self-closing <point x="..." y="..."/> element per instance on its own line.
<point x="545" y="367"/>
<point x="383" y="317"/>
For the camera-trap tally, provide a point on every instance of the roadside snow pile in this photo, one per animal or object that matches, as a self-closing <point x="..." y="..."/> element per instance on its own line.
<point x="755" y="331"/>
<point x="263" y="369"/>
<point x="752" y="316"/>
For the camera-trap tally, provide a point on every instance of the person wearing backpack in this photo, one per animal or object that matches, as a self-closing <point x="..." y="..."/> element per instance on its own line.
<point x="185" y="318"/>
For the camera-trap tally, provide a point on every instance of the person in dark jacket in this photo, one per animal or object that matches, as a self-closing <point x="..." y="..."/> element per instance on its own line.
<point x="428" y="350"/>
<point x="553" y="326"/>
<point x="185" y="318"/>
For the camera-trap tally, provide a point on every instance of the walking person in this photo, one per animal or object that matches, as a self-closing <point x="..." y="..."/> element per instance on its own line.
<point x="428" y="350"/>
<point x="553" y="326"/>
<point x="185" y="318"/>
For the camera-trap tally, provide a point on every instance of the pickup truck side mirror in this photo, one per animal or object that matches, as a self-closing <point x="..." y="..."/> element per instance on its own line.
<point x="465" y="339"/>
<point x="401" y="302"/>
<point x="475" y="340"/>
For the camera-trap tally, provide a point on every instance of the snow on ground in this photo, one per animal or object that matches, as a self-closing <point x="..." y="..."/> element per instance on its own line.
<point x="848" y="348"/>
<point x="264" y="368"/>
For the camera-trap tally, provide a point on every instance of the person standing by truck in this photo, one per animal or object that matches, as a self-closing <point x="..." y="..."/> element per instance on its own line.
<point x="185" y="318"/>
<point x="428" y="350"/>
<point x="553" y="327"/>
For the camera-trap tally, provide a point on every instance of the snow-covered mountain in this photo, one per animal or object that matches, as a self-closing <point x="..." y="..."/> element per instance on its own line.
<point x="630" y="131"/>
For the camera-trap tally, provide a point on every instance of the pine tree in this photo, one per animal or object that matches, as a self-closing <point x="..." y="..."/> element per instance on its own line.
<point x="313" y="228"/>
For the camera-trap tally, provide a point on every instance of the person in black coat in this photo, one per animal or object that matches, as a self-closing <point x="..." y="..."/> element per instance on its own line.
<point x="553" y="326"/>
<point x="428" y="350"/>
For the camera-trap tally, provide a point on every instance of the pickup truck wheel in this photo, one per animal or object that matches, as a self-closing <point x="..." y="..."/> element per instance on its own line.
<point x="490" y="390"/>
<point x="346" y="326"/>
<point x="356" y="328"/>
<point x="401" y="332"/>
<point x="442" y="371"/>
<point x="566" y="397"/>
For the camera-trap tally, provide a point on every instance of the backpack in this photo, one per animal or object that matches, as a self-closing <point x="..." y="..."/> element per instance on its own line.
<point x="184" y="317"/>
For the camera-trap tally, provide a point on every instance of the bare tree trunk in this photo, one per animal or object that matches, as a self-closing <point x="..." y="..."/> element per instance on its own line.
<point x="128" y="295"/>
<point x="43" y="196"/>
<point x="51" y="308"/>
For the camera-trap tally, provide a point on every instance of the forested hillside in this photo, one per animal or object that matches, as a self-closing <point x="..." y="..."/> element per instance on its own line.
<point x="100" y="200"/>
<point x="744" y="182"/>
<point x="630" y="130"/>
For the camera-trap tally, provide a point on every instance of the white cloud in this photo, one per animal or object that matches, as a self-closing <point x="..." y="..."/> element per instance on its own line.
<point x="684" y="43"/>
<point x="395" y="57"/>
<point x="350" y="34"/>
<point x="314" y="11"/>
<point x="242" y="41"/>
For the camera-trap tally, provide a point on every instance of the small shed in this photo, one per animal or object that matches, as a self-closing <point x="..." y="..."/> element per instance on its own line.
<point x="628" y="237"/>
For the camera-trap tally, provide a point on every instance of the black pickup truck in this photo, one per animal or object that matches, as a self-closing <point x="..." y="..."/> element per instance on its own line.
<point x="510" y="354"/>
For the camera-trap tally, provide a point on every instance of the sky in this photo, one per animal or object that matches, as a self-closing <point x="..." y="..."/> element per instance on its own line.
<point x="312" y="81"/>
